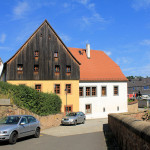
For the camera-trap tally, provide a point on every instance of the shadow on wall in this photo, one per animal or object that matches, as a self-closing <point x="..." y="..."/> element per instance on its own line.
<point x="110" y="139"/>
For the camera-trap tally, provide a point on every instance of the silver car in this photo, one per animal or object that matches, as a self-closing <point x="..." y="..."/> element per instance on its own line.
<point x="17" y="126"/>
<point x="73" y="118"/>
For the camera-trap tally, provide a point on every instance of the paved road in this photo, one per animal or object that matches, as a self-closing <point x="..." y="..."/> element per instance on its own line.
<point x="88" y="136"/>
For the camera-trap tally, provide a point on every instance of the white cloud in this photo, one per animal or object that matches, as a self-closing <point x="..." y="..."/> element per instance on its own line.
<point x="84" y="2"/>
<point x="141" y="4"/>
<point x="4" y="48"/>
<point x="20" y="10"/>
<point x="123" y="60"/>
<point x="65" y="38"/>
<point x="2" y="38"/>
<point x="145" y="42"/>
<point x="108" y="53"/>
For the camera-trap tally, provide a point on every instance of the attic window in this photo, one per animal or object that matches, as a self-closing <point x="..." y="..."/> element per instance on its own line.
<point x="20" y="68"/>
<point x="68" y="69"/>
<point x="36" y="54"/>
<point x="57" y="69"/>
<point x="55" y="54"/>
<point x="41" y="35"/>
<point x="36" y="68"/>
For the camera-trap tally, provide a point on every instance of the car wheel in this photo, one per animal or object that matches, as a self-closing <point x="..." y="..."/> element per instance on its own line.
<point x="37" y="133"/>
<point x="83" y="121"/>
<point x="13" y="137"/>
<point x="75" y="122"/>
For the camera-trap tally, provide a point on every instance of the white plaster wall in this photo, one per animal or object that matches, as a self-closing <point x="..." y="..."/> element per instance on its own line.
<point x="110" y="102"/>
<point x="1" y="68"/>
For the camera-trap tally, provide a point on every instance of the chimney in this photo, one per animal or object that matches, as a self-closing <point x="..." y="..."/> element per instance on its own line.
<point x="88" y="50"/>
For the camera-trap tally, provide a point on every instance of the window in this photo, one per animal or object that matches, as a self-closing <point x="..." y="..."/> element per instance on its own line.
<point x="36" y="68"/>
<point x="56" y="55"/>
<point x="68" y="87"/>
<point x="88" y="91"/>
<point x="20" y="68"/>
<point x="103" y="90"/>
<point x="57" y="89"/>
<point x="88" y="109"/>
<point x="24" y="120"/>
<point x="36" y="54"/>
<point x="68" y="109"/>
<point x="80" y="91"/>
<point x="57" y="68"/>
<point x="38" y="87"/>
<point x="31" y="119"/>
<point x="68" y="69"/>
<point x="116" y="90"/>
<point x="93" y="91"/>
<point x="104" y="109"/>
<point x="117" y="108"/>
<point x="146" y="87"/>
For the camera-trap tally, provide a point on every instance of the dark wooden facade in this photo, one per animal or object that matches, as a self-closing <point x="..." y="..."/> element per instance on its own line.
<point x="46" y="42"/>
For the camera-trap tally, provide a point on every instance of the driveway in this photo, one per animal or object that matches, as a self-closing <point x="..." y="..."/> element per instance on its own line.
<point x="89" y="136"/>
<point x="90" y="126"/>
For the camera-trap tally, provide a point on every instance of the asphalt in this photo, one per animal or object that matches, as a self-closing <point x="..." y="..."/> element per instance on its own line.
<point x="89" y="136"/>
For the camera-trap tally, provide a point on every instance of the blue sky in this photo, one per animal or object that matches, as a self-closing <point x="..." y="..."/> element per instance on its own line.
<point x="121" y="28"/>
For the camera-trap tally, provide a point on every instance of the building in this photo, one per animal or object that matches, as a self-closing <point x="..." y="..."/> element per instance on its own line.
<point x="138" y="86"/>
<point x="102" y="86"/>
<point x="94" y="83"/>
<point x="1" y="66"/>
<point x="45" y="63"/>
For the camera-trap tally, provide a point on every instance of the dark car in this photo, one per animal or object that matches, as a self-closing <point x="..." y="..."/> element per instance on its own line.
<point x="17" y="126"/>
<point x="73" y="118"/>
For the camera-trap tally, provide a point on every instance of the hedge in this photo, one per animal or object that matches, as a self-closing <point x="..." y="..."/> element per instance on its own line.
<point x="39" y="103"/>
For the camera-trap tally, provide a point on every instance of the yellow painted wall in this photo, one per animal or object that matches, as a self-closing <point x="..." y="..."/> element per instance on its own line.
<point x="47" y="86"/>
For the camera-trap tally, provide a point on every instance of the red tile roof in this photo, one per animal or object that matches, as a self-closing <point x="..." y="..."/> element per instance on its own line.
<point x="99" y="67"/>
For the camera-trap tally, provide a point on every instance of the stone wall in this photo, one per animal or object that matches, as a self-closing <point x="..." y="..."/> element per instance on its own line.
<point x="46" y="121"/>
<point x="133" y="106"/>
<point x="131" y="134"/>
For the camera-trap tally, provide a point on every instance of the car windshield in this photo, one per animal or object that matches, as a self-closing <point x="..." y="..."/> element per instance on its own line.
<point x="10" y="120"/>
<point x="71" y="114"/>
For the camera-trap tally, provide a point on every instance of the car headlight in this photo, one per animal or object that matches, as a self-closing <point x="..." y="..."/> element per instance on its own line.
<point x="71" y="120"/>
<point x="3" y="132"/>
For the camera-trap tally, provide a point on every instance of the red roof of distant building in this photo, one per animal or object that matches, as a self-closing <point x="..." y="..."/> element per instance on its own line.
<point x="99" y="67"/>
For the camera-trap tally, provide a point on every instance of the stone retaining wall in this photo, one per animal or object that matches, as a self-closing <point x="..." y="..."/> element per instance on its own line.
<point x="133" y="106"/>
<point x="46" y="121"/>
<point x="131" y="134"/>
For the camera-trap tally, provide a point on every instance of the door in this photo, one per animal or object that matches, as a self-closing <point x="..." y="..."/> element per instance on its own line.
<point x="24" y="127"/>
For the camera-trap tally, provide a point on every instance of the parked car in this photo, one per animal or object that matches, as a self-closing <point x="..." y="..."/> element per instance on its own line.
<point x="73" y="118"/>
<point x="17" y="126"/>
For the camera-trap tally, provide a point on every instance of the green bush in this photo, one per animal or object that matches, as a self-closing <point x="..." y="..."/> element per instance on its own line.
<point x="40" y="103"/>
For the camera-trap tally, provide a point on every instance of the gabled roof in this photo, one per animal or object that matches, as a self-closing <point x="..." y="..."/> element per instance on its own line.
<point x="99" y="67"/>
<point x="45" y="21"/>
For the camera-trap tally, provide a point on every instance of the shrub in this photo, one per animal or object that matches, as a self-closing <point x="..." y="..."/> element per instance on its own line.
<point x="37" y="102"/>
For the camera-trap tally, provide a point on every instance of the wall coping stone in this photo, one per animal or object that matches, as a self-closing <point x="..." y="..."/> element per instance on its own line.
<point x="139" y="127"/>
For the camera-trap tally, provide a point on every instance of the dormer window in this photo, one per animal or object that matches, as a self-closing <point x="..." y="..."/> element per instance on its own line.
<point x="36" y="54"/>
<point x="57" y="69"/>
<point x="68" y="69"/>
<point x="56" y="55"/>
<point x="20" y="67"/>
<point x="36" y="68"/>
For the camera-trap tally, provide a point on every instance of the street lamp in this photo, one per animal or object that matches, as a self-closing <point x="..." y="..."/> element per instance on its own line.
<point x="66" y="99"/>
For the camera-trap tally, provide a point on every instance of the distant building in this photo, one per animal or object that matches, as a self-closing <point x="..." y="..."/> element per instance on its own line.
<point x="138" y="86"/>
<point x="1" y="66"/>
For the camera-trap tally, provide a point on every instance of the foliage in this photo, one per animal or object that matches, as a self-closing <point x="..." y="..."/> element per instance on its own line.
<point x="37" y="102"/>
<point x="130" y="100"/>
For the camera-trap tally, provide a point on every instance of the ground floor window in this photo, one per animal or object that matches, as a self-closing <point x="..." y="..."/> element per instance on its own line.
<point x="68" y="109"/>
<point x="88" y="108"/>
<point x="38" y="87"/>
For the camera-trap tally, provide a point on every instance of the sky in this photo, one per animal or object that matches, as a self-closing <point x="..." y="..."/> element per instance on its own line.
<point x="120" y="28"/>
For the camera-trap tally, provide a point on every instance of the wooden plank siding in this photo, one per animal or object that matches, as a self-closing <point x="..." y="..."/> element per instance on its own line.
<point x="46" y="42"/>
